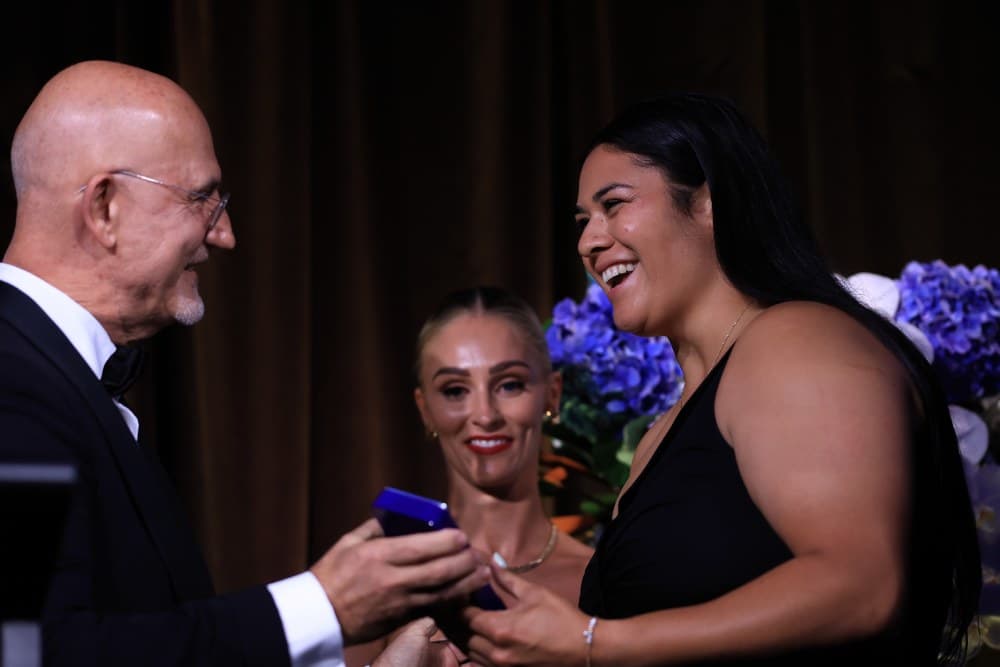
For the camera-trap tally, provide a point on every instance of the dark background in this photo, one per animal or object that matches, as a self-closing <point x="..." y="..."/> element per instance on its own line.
<point x="383" y="153"/>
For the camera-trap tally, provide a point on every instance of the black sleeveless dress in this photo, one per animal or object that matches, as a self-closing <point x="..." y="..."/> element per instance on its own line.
<point x="687" y="531"/>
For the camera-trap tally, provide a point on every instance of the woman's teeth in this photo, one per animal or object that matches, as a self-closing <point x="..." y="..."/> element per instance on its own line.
<point x="487" y="444"/>
<point x="616" y="273"/>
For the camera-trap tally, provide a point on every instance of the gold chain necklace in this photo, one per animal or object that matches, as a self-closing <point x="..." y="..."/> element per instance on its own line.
<point x="546" y="552"/>
<point x="725" y="339"/>
<point x="729" y="333"/>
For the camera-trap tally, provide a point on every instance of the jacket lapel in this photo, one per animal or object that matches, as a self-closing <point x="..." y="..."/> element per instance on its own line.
<point x="147" y="486"/>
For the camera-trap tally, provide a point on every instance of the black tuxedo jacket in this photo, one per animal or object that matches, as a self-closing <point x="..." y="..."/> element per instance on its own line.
<point x="130" y="587"/>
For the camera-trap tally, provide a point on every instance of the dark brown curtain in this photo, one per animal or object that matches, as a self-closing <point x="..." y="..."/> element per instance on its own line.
<point x="383" y="153"/>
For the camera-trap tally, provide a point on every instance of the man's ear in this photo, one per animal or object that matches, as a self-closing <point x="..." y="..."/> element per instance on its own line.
<point x="701" y="207"/>
<point x="99" y="210"/>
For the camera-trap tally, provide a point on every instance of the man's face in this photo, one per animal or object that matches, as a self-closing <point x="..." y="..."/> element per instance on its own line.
<point x="164" y="232"/>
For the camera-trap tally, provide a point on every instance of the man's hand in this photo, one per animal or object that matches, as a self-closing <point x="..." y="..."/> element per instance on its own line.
<point x="377" y="583"/>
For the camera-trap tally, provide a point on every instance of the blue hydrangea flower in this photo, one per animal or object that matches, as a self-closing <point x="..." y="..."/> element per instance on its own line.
<point x="958" y="309"/>
<point x="607" y="370"/>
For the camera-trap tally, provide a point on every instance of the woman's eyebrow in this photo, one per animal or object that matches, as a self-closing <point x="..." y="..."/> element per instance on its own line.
<point x="506" y="365"/>
<point x="496" y="368"/>
<point x="601" y="192"/>
<point x="450" y="370"/>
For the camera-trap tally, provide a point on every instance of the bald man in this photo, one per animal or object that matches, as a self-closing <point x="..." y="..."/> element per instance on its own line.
<point x="118" y="203"/>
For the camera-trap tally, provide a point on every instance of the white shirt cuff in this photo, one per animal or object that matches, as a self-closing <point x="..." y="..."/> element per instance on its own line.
<point x="311" y="627"/>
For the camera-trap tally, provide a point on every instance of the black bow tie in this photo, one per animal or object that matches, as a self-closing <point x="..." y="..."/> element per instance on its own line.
<point x="122" y="369"/>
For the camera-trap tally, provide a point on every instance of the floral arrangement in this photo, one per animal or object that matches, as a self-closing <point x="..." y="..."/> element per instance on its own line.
<point x="958" y="309"/>
<point x="952" y="314"/>
<point x="614" y="384"/>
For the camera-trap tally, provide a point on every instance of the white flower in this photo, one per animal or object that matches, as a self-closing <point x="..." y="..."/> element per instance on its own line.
<point x="973" y="435"/>
<point x="881" y="294"/>
<point x="918" y="338"/>
<point x="877" y="292"/>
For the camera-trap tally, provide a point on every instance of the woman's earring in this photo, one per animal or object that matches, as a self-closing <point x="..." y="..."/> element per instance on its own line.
<point x="550" y="418"/>
<point x="433" y="435"/>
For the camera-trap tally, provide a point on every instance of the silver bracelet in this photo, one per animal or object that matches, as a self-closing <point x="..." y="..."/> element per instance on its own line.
<point x="588" y="636"/>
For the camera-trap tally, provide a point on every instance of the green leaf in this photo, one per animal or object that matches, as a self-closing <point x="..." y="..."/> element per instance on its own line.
<point x="607" y="498"/>
<point x="617" y="475"/>
<point x="604" y="456"/>
<point x="625" y="455"/>
<point x="595" y="509"/>
<point x="634" y="430"/>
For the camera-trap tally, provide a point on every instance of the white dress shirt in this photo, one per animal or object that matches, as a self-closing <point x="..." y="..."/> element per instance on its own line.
<point x="310" y="624"/>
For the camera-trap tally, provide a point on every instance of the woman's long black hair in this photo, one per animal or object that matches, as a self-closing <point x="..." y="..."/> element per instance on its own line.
<point x="768" y="252"/>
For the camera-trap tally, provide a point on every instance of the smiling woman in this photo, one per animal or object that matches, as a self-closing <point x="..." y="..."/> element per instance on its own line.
<point x="803" y="502"/>
<point x="484" y="386"/>
<point x="624" y="210"/>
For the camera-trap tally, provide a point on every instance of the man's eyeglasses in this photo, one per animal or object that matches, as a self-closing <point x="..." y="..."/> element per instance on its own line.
<point x="220" y="202"/>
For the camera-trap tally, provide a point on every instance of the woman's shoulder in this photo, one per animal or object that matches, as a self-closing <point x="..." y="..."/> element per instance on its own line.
<point x="801" y="350"/>
<point x="801" y="316"/>
<point x="790" y="334"/>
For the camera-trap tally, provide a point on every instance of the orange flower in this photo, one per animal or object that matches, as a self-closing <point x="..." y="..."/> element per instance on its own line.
<point x="556" y="476"/>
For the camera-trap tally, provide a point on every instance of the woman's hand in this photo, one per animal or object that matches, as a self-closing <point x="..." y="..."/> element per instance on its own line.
<point x="537" y="628"/>
<point x="412" y="646"/>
